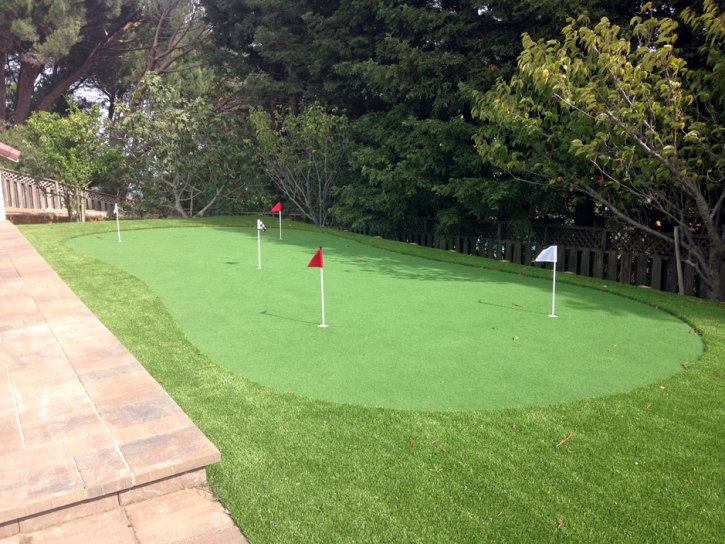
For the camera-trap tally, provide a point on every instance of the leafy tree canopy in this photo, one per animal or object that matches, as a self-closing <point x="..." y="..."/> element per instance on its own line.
<point x="619" y="117"/>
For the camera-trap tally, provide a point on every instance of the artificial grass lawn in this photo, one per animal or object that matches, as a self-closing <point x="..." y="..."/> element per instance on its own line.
<point x="645" y="465"/>
<point x="406" y="332"/>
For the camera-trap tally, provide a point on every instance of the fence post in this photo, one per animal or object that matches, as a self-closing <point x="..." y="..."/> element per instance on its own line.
<point x="656" y="281"/>
<point x="626" y="276"/>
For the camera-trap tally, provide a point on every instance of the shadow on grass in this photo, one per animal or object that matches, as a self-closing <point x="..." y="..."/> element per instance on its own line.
<point x="350" y="253"/>
<point x="288" y="318"/>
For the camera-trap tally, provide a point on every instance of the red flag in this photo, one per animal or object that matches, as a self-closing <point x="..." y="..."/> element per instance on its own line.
<point x="277" y="207"/>
<point x="316" y="261"/>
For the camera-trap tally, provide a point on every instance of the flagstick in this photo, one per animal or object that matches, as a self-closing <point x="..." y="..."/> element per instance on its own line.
<point x="322" y="289"/>
<point x="259" y="249"/>
<point x="280" y="225"/>
<point x="553" y="294"/>
<point x="118" y="227"/>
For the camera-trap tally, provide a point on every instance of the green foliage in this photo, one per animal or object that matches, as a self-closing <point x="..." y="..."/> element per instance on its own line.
<point x="184" y="157"/>
<point x="68" y="149"/>
<point x="304" y="156"/>
<point x="401" y="70"/>
<point x="46" y="42"/>
<point x="620" y="118"/>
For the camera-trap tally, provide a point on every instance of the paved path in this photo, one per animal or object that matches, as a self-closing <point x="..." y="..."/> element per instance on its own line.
<point x="89" y="441"/>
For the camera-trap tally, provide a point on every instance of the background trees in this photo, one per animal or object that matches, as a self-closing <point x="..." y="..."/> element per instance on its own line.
<point x="620" y="118"/>
<point x="305" y="156"/>
<point x="183" y="156"/>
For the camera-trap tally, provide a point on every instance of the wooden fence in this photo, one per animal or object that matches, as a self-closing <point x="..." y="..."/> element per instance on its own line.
<point x="22" y="192"/>
<point x="625" y="256"/>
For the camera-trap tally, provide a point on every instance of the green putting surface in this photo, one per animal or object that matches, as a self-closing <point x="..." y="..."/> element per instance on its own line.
<point x="404" y="332"/>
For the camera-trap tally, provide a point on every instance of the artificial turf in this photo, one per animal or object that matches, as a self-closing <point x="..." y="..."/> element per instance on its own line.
<point x="644" y="465"/>
<point x="405" y="332"/>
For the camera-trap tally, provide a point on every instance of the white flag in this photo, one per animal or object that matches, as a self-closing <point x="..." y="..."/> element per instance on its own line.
<point x="115" y="208"/>
<point x="260" y="225"/>
<point x="547" y="256"/>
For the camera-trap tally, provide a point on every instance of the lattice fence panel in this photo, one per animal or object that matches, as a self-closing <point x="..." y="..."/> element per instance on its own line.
<point x="575" y="237"/>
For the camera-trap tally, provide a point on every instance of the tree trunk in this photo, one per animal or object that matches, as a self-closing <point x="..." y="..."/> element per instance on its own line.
<point x="715" y="287"/>
<point x="28" y="74"/>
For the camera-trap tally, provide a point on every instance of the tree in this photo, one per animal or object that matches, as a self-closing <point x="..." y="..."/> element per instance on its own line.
<point x="618" y="117"/>
<point x="304" y="155"/>
<point x="183" y="156"/>
<point x="68" y="149"/>
<point x="48" y="46"/>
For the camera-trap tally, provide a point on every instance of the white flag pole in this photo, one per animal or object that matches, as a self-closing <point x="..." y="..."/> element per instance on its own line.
<point x="549" y="255"/>
<point x="322" y="290"/>
<point x="280" y="224"/>
<point x="259" y="249"/>
<point x="553" y="294"/>
<point x="118" y="225"/>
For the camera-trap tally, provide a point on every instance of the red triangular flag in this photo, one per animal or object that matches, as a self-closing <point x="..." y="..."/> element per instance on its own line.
<point x="316" y="261"/>
<point x="277" y="207"/>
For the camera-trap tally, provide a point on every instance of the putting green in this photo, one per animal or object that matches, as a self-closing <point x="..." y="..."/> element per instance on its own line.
<point x="404" y="332"/>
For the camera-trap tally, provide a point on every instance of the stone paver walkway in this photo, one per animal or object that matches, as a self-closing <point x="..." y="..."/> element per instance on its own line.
<point x="88" y="438"/>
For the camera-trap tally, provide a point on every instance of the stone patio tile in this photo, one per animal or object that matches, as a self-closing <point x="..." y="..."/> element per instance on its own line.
<point x="81" y="317"/>
<point x="177" y="517"/>
<point x="73" y="331"/>
<point x="8" y="529"/>
<point x="123" y="389"/>
<point x="11" y="440"/>
<point x="6" y="393"/>
<point x="103" y="471"/>
<point x="230" y="535"/>
<point x="57" y="409"/>
<point x="102" y="357"/>
<point x="140" y="412"/>
<point x="41" y="286"/>
<point x="38" y="488"/>
<point x="82" y="347"/>
<point x="51" y="308"/>
<point x="19" y="462"/>
<point x="111" y="372"/>
<point x="105" y="528"/>
<point x="10" y="326"/>
<point x="29" y="398"/>
<point x="151" y="428"/>
<point x="21" y="342"/>
<point x="15" y="304"/>
<point x="51" y="292"/>
<point x="169" y="454"/>
<point x="46" y="355"/>
<point x="11" y="285"/>
<point x="68" y="513"/>
<point x="79" y="423"/>
<point x="53" y="372"/>
<point x="7" y="317"/>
